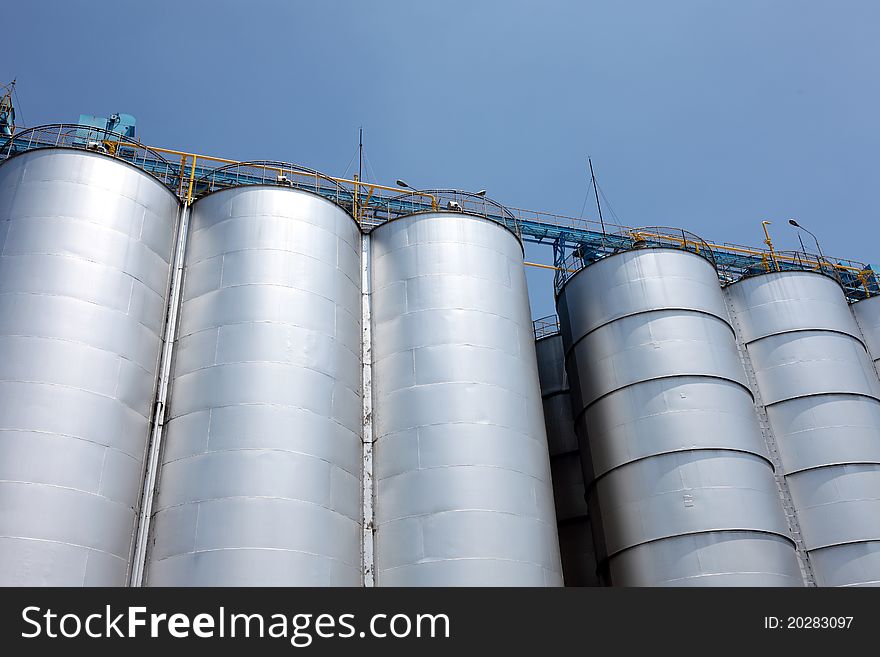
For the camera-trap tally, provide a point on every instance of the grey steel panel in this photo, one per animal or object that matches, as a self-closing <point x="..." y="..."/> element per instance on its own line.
<point x="821" y="393"/>
<point x="261" y="472"/>
<point x="829" y="429"/>
<point x="713" y="559"/>
<point x="654" y="279"/>
<point x="568" y="486"/>
<point x="779" y="302"/>
<point x="670" y="415"/>
<point x="575" y="533"/>
<point x="558" y="418"/>
<point x="663" y="343"/>
<point x="800" y="363"/>
<point x="853" y="564"/>
<point x="85" y="250"/>
<point x="463" y="492"/>
<point x="681" y="488"/>
<point x="551" y="365"/>
<point x="867" y="312"/>
<point x="686" y="493"/>
<point x="553" y="379"/>
<point x="838" y="504"/>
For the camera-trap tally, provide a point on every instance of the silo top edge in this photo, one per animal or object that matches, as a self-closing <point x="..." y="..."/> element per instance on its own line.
<point x="786" y="273"/>
<point x="671" y="249"/>
<point x="449" y="213"/>
<point x="279" y="188"/>
<point x="874" y="298"/>
<point x="85" y="152"/>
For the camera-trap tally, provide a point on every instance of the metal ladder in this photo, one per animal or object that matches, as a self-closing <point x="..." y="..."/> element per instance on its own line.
<point x="794" y="526"/>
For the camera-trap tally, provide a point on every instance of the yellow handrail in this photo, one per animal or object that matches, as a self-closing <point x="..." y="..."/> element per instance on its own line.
<point x="365" y="192"/>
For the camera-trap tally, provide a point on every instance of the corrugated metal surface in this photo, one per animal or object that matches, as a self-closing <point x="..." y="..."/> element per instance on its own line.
<point x="682" y="489"/>
<point x="463" y="492"/>
<point x="821" y="395"/>
<point x="85" y="250"/>
<point x="575" y="536"/>
<point x="261" y="471"/>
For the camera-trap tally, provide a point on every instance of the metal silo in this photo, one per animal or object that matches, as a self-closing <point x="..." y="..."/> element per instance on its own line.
<point x="821" y="397"/>
<point x="575" y="536"/>
<point x="85" y="248"/>
<point x="867" y="314"/>
<point x="260" y="480"/>
<point x="681" y="489"/>
<point x="463" y="492"/>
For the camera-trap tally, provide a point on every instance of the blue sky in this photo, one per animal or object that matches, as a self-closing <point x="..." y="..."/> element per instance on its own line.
<point x="709" y="116"/>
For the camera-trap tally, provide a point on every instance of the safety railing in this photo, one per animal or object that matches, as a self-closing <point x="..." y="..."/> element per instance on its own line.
<point x="577" y="241"/>
<point x="652" y="237"/>
<point x="280" y="174"/>
<point x="97" y="140"/>
<point x="545" y="326"/>
<point x="850" y="275"/>
<point x="534" y="220"/>
<point x="445" y="200"/>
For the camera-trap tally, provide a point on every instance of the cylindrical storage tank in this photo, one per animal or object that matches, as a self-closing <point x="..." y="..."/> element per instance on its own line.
<point x="463" y="493"/>
<point x="575" y="537"/>
<point x="86" y="243"/>
<point x="867" y="314"/>
<point x="680" y="485"/>
<point x="261" y="469"/>
<point x="821" y="396"/>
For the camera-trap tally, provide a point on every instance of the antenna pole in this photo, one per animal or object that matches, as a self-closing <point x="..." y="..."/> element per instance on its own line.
<point x="359" y="176"/>
<point x="596" y="189"/>
<point x="361" y="153"/>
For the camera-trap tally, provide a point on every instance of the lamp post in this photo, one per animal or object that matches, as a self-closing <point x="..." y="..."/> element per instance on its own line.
<point x="834" y="272"/>
<point x="810" y="233"/>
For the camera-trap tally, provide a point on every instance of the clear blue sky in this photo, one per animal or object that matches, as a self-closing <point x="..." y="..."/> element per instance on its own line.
<point x="709" y="116"/>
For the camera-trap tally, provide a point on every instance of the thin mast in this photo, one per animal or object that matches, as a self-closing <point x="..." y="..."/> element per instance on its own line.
<point x="596" y="189"/>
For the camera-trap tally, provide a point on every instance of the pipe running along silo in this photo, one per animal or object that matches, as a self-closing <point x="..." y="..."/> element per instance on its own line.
<point x="463" y="494"/>
<point x="681" y="489"/>
<point x="575" y="536"/>
<point x="86" y="243"/>
<point x="821" y="396"/>
<point x="261" y="467"/>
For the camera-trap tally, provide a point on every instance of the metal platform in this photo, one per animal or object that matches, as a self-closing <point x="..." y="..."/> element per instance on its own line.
<point x="576" y="242"/>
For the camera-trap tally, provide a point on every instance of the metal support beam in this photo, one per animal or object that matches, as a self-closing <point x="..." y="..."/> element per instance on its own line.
<point x="367" y="391"/>
<point x="142" y="531"/>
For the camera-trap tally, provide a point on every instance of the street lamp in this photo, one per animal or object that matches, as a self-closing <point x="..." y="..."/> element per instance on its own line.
<point x="810" y="233"/>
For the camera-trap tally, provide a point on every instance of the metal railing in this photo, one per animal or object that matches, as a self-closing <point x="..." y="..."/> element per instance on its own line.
<point x="545" y="326"/>
<point x="858" y="280"/>
<point x="778" y="261"/>
<point x="97" y="140"/>
<point x="577" y="241"/>
<point x="732" y="261"/>
<point x="651" y="237"/>
<point x="446" y="200"/>
<point x="280" y="174"/>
